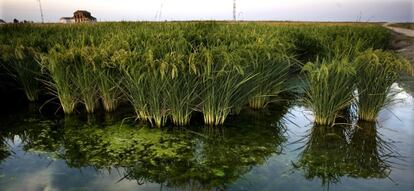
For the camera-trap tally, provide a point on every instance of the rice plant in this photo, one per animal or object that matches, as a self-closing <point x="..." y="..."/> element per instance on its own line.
<point x="109" y="75"/>
<point x="169" y="70"/>
<point x="134" y="84"/>
<point x="377" y="70"/>
<point x="272" y="68"/>
<point x="85" y="78"/>
<point x="183" y="89"/>
<point x="22" y="66"/>
<point x="330" y="86"/>
<point x="57" y="65"/>
<point x="222" y="81"/>
<point x="108" y="83"/>
<point x="146" y="84"/>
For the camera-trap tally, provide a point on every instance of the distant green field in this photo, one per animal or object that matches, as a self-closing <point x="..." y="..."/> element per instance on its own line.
<point x="404" y="25"/>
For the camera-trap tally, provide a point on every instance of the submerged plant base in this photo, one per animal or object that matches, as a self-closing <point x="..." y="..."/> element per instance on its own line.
<point x="258" y="102"/>
<point x="108" y="104"/>
<point x="214" y="119"/>
<point x="157" y="121"/>
<point x="68" y="106"/>
<point x="180" y="119"/>
<point x="90" y="105"/>
<point x="324" y="120"/>
<point x="369" y="116"/>
<point x="31" y="95"/>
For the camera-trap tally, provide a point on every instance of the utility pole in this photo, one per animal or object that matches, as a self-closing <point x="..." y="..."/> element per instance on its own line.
<point x="41" y="11"/>
<point x="158" y="14"/>
<point x="234" y="10"/>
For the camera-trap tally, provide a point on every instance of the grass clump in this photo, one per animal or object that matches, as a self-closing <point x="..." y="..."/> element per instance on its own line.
<point x="57" y="66"/>
<point x="272" y="66"/>
<point x="84" y="77"/>
<point x="108" y="83"/>
<point x="183" y="89"/>
<point x="21" y="64"/>
<point x="146" y="85"/>
<point x="223" y="82"/>
<point x="330" y="86"/>
<point x="377" y="70"/>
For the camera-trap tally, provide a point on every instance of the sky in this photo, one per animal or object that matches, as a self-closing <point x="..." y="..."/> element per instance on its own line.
<point x="160" y="10"/>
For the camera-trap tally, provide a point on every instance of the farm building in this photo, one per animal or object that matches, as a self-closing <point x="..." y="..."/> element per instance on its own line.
<point x="83" y="16"/>
<point x="79" y="16"/>
<point x="67" y="20"/>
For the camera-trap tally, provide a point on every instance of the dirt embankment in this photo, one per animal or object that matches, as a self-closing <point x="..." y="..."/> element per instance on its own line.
<point x="403" y="43"/>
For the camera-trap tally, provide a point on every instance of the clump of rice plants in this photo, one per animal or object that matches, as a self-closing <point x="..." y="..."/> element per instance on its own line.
<point x="109" y="77"/>
<point x="133" y="84"/>
<point x="272" y="68"/>
<point x="183" y="89"/>
<point x="155" y="92"/>
<point x="57" y="65"/>
<point x="330" y="86"/>
<point x="169" y="70"/>
<point x="146" y="85"/>
<point x="377" y="70"/>
<point x="22" y="66"/>
<point x="84" y="77"/>
<point x="222" y="83"/>
<point x="108" y="83"/>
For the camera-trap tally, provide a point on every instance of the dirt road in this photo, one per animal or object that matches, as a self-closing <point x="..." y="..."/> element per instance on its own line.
<point x="406" y="32"/>
<point x="403" y="43"/>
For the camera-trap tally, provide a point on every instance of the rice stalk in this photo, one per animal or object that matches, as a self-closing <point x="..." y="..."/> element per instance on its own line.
<point x="377" y="70"/>
<point x="330" y="86"/>
<point x="57" y="66"/>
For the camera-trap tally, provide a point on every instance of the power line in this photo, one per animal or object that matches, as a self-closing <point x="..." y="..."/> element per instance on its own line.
<point x="234" y="10"/>
<point x="41" y="11"/>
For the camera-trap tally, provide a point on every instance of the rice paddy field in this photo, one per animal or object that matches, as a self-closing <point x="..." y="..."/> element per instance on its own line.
<point x="204" y="106"/>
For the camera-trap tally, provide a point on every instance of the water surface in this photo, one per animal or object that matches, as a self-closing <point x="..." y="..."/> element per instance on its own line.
<point x="275" y="149"/>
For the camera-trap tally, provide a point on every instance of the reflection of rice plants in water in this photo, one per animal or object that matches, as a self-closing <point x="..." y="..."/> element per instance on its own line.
<point x="371" y="153"/>
<point x="182" y="158"/>
<point x="331" y="153"/>
<point x="323" y="154"/>
<point x="210" y="164"/>
<point x="4" y="149"/>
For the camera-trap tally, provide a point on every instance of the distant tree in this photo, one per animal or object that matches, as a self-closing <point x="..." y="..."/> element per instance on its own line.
<point x="15" y="21"/>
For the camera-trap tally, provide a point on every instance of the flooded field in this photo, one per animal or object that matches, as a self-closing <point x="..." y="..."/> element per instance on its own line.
<point x="278" y="148"/>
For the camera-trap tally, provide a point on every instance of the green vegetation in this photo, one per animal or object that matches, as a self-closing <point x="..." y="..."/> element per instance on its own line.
<point x="174" y="158"/>
<point x="330" y="89"/>
<point x="167" y="71"/>
<point x="22" y="66"/>
<point x="377" y="70"/>
<point x="58" y="67"/>
<point x="404" y="25"/>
